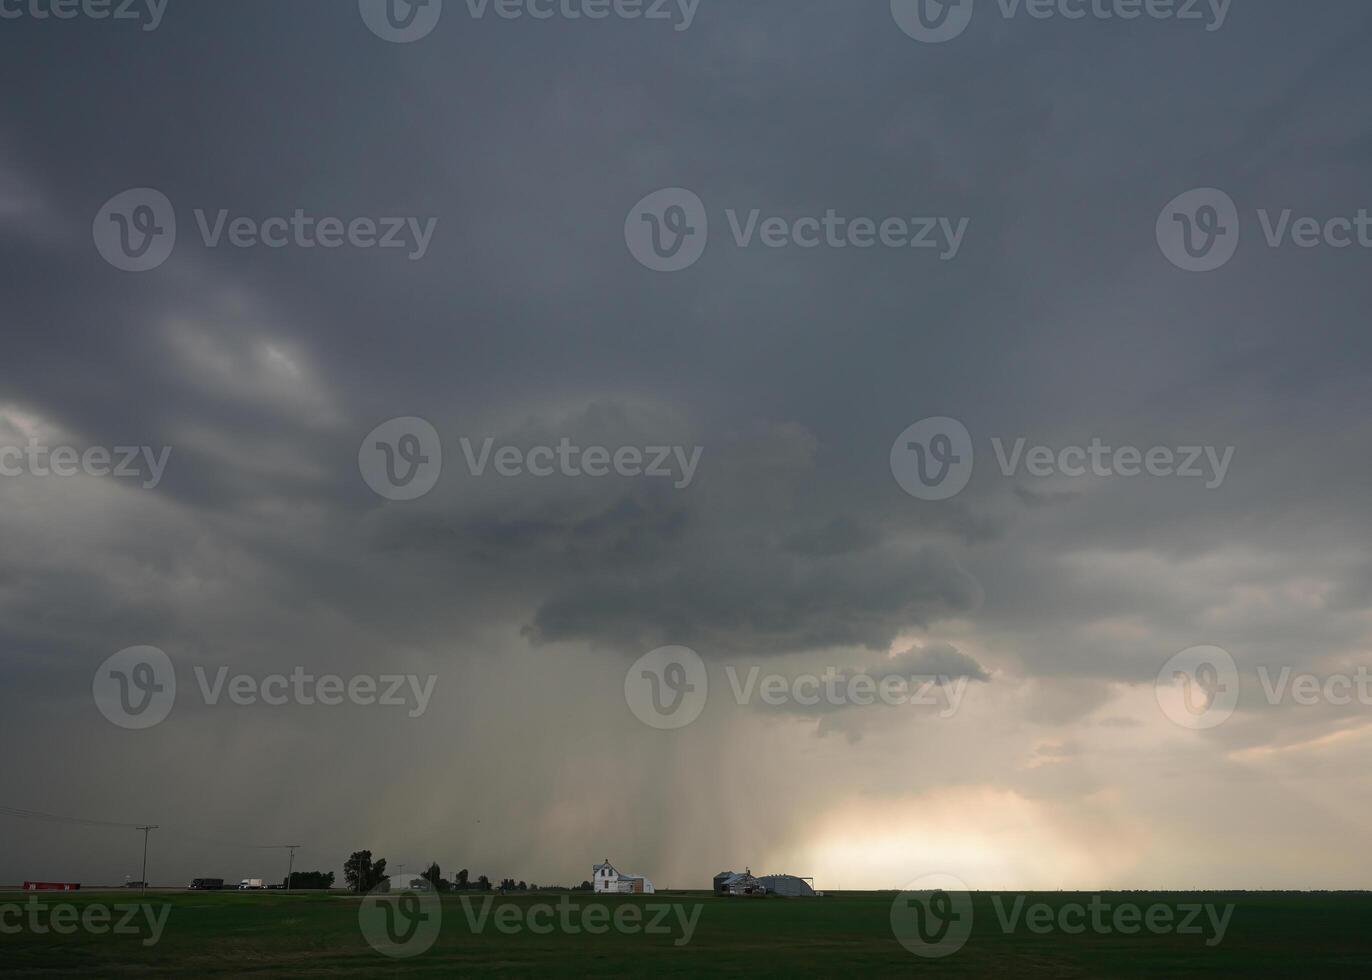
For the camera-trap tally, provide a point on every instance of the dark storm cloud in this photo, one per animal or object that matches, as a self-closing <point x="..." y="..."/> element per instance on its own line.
<point x="932" y="660"/>
<point x="923" y="681"/>
<point x="752" y="598"/>
<point x="528" y="320"/>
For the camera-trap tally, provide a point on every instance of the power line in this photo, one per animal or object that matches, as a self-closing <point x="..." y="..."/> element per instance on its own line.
<point x="10" y="811"/>
<point x="225" y="843"/>
<point x="43" y="817"/>
<point x="290" y="870"/>
<point x="143" y="882"/>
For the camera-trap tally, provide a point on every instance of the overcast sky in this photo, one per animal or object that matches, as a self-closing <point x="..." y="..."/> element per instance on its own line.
<point x="522" y="308"/>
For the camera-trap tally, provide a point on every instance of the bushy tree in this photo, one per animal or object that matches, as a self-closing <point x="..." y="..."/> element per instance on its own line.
<point x="362" y="874"/>
<point x="435" y="878"/>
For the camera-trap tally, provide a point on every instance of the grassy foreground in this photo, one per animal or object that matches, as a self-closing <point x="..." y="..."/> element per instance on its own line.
<point x="230" y="933"/>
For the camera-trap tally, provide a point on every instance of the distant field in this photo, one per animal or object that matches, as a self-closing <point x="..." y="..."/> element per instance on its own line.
<point x="232" y="933"/>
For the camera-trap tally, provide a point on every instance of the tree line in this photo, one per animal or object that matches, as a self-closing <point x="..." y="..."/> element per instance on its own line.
<point x="363" y="874"/>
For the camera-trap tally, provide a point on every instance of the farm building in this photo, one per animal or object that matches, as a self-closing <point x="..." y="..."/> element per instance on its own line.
<point x="409" y="883"/>
<point x="745" y="883"/>
<point x="606" y="880"/>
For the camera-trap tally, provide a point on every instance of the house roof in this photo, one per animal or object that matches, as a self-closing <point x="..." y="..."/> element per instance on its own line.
<point x="622" y="874"/>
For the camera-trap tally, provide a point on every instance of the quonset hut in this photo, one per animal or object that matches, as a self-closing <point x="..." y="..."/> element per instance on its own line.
<point x="744" y="883"/>
<point x="787" y="885"/>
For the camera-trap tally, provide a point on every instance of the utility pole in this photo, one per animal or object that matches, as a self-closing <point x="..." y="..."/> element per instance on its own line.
<point x="291" y="869"/>
<point x="144" y="880"/>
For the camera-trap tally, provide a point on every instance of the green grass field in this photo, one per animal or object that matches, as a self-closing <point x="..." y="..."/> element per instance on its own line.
<point x="230" y="933"/>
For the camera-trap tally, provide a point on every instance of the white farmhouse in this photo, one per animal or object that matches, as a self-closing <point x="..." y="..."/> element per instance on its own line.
<point x="607" y="881"/>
